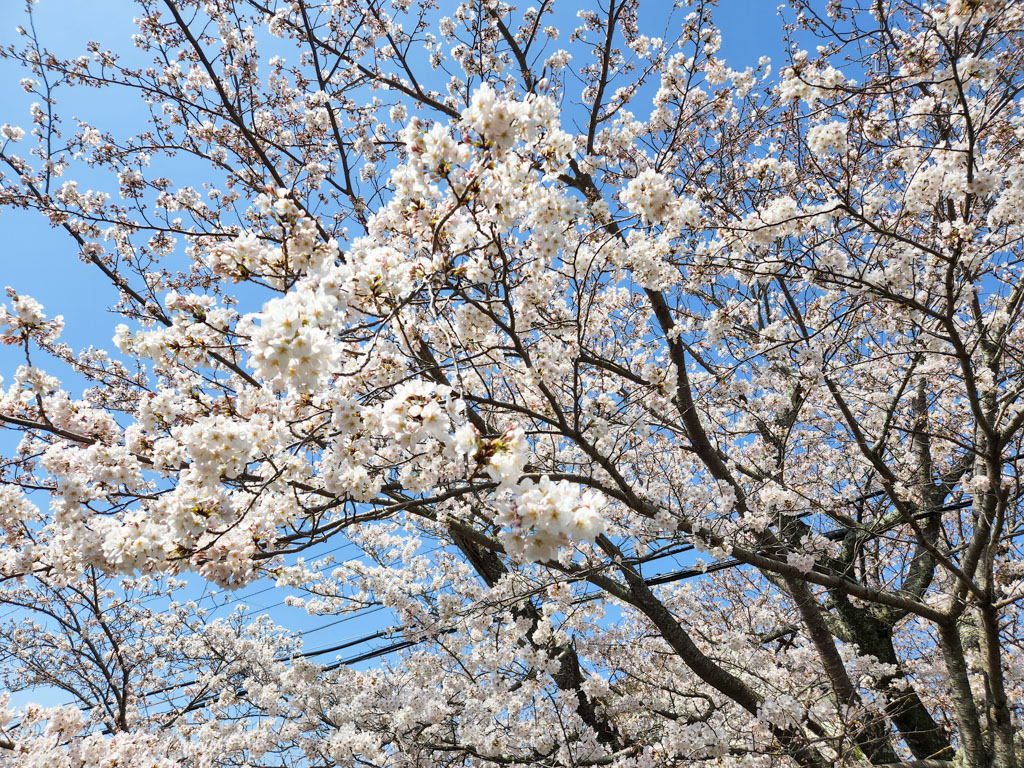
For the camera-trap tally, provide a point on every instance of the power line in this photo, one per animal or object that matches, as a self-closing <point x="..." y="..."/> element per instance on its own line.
<point x="399" y="645"/>
<point x="666" y="578"/>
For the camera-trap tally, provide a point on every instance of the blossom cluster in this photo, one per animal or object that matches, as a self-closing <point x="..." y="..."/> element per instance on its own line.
<point x="25" y="318"/>
<point x="544" y="515"/>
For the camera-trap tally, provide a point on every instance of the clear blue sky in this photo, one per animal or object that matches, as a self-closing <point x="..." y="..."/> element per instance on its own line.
<point x="41" y="261"/>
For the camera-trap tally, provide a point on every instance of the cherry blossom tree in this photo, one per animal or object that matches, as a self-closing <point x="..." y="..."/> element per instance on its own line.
<point x="524" y="306"/>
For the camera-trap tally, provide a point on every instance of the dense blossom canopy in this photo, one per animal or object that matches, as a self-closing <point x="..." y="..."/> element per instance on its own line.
<point x="525" y="304"/>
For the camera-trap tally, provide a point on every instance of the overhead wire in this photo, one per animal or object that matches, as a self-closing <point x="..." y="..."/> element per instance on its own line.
<point x="403" y="644"/>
